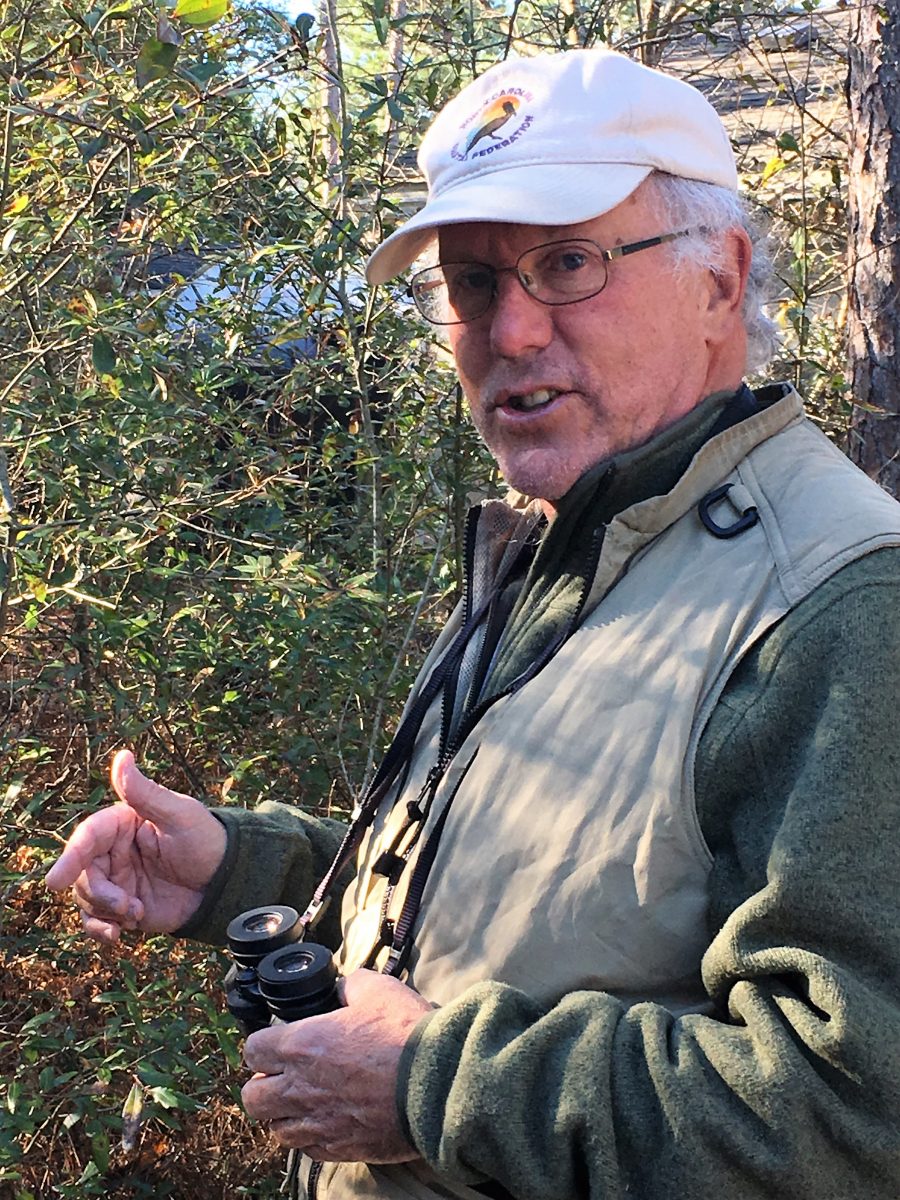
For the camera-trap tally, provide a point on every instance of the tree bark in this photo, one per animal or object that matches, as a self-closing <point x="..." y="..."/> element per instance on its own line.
<point x="873" y="87"/>
<point x="332" y="81"/>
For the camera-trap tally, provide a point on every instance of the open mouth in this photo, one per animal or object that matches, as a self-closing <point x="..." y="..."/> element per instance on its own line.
<point x="533" y="400"/>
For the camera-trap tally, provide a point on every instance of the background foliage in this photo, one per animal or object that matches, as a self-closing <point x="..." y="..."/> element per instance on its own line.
<point x="228" y="532"/>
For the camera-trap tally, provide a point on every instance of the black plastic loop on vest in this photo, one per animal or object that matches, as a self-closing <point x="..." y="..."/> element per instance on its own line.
<point x="391" y="865"/>
<point x="746" y="520"/>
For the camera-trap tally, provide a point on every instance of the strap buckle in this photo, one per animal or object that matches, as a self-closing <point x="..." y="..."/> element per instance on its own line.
<point x="398" y="957"/>
<point x="749" y="515"/>
<point x="313" y="914"/>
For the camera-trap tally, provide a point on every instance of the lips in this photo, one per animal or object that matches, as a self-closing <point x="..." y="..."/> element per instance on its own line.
<point x="527" y="401"/>
<point x="532" y="400"/>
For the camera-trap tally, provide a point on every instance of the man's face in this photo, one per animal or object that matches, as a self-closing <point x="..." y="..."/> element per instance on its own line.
<point x="555" y="390"/>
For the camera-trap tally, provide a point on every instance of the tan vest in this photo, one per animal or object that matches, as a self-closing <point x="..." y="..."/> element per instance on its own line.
<point x="572" y="857"/>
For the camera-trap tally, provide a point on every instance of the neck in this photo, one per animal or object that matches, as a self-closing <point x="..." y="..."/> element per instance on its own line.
<point x="632" y="465"/>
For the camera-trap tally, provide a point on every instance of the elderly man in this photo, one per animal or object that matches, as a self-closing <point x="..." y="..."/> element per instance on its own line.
<point x="625" y="911"/>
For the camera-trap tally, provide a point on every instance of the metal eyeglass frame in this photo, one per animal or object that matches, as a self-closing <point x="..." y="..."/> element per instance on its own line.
<point x="607" y="256"/>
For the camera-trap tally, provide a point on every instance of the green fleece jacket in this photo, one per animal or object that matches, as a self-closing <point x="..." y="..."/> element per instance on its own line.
<point x="789" y="1088"/>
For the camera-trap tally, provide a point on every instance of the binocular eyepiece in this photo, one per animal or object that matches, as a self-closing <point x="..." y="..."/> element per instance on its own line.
<point x="275" y="975"/>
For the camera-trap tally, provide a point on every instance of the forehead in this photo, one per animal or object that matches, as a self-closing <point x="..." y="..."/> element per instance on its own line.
<point x="495" y="240"/>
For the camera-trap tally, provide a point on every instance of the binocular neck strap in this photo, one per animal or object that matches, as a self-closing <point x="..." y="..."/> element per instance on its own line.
<point x="399" y="753"/>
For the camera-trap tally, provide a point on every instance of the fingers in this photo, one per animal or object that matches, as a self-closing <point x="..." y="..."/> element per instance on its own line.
<point x="149" y="799"/>
<point x="328" y="1083"/>
<point x="266" y="1098"/>
<point x="90" y="840"/>
<point x="294" y="1115"/>
<point x="98" y="896"/>
<point x="264" y="1052"/>
<point x="107" y="932"/>
<point x="294" y="1134"/>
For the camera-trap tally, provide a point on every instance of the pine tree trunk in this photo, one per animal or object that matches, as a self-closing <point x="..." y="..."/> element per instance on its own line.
<point x="874" y="251"/>
<point x="332" y="79"/>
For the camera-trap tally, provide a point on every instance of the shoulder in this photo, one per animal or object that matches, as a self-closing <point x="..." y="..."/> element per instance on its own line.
<point x="816" y="697"/>
<point x="853" y="609"/>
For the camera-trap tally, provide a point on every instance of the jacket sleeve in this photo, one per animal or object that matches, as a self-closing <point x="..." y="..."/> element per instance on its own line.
<point x="275" y="854"/>
<point x="787" y="1087"/>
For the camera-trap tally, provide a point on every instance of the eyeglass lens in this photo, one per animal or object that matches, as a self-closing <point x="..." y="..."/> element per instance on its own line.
<point x="554" y="273"/>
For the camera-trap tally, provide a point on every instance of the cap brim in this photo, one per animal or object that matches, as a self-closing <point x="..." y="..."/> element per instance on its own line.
<point x="529" y="194"/>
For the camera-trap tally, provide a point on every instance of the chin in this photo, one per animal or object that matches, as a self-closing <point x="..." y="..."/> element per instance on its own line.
<point x="542" y="475"/>
<point x="539" y="485"/>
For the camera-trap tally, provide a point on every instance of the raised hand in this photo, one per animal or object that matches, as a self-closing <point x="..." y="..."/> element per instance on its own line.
<point x="142" y="863"/>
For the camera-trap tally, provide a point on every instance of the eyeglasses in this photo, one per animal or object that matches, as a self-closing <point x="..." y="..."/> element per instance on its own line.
<point x="554" y="273"/>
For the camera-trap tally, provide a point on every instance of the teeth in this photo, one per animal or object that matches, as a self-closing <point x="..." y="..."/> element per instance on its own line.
<point x="536" y="399"/>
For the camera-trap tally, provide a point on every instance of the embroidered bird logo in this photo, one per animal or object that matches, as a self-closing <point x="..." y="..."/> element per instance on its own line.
<point x="494" y="118"/>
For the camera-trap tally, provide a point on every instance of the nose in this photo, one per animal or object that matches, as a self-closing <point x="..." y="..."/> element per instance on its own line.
<point x="520" y="324"/>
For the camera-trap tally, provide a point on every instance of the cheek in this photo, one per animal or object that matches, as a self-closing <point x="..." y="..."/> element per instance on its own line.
<point x="470" y="346"/>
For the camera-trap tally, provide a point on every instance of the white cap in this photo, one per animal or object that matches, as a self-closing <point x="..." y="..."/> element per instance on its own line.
<point x="555" y="140"/>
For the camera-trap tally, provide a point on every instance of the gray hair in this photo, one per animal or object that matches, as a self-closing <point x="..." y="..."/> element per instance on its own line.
<point x="709" y="210"/>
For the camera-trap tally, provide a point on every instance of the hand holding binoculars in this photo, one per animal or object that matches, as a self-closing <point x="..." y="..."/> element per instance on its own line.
<point x="276" y="976"/>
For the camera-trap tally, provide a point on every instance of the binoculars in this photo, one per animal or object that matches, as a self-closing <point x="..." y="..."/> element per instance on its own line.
<point x="275" y="975"/>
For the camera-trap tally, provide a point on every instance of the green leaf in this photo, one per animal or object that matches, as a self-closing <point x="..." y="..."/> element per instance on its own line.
<point x="143" y="194"/>
<point x="93" y="147"/>
<point x="201" y="13"/>
<point x="155" y="61"/>
<point x="202" y="72"/>
<point x="154" y="1078"/>
<point x="166" y="1097"/>
<point x="787" y="141"/>
<point x="100" y="1151"/>
<point x="371" y="109"/>
<point x="103" y="356"/>
<point x="37" y="1021"/>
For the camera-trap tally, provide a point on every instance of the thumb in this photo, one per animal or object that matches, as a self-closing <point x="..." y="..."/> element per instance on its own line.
<point x="149" y="800"/>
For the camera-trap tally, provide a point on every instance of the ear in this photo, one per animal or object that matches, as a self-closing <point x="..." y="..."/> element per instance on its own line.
<point x="728" y="284"/>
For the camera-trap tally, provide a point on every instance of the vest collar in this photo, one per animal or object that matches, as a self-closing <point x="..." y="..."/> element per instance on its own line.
<point x="517" y="516"/>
